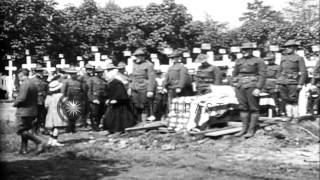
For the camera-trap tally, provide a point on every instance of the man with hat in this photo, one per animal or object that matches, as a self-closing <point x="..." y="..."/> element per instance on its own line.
<point x="26" y="104"/>
<point x="74" y="93"/>
<point x="206" y="75"/>
<point x="42" y="86"/>
<point x="142" y="84"/>
<point x="293" y="75"/>
<point x="161" y="97"/>
<point x="97" y="97"/>
<point x="249" y="77"/>
<point x="176" y="77"/>
<point x="122" y="67"/>
<point x="271" y="77"/>
<point x="84" y="79"/>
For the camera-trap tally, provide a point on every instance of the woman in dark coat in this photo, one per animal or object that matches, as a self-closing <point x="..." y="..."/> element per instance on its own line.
<point x="119" y="113"/>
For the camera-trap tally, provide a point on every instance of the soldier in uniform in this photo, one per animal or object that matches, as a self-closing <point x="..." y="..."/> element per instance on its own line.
<point x="206" y="75"/>
<point x="43" y="88"/>
<point x="314" y="99"/>
<point x="142" y="85"/>
<point x="161" y="97"/>
<point x="176" y="78"/>
<point x="84" y="79"/>
<point x="293" y="75"/>
<point x="248" y="78"/>
<point x="73" y="92"/>
<point x="97" y="97"/>
<point x="271" y="77"/>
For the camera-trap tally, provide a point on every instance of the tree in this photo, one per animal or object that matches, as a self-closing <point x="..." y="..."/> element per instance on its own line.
<point x="26" y="25"/>
<point x="259" y="22"/>
<point x="303" y="12"/>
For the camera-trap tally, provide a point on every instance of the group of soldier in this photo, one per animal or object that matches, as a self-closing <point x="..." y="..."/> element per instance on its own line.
<point x="151" y="90"/>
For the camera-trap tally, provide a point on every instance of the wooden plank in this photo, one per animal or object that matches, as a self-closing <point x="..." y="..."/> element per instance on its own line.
<point x="224" y="132"/>
<point x="273" y="118"/>
<point x="148" y="126"/>
<point x="306" y="117"/>
<point x="211" y="130"/>
<point x="235" y="124"/>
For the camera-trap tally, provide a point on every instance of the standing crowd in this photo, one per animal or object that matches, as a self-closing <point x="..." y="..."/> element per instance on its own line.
<point x="113" y="100"/>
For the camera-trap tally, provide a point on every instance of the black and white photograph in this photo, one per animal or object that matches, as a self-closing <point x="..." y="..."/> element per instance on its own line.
<point x="160" y="89"/>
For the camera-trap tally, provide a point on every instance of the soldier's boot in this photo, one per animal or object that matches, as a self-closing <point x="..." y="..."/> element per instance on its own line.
<point x="253" y="125"/>
<point x="97" y="121"/>
<point x="40" y="145"/>
<point x="282" y="108"/>
<point x="244" y="116"/>
<point x="72" y="126"/>
<point x="24" y="145"/>
<point x="94" y="125"/>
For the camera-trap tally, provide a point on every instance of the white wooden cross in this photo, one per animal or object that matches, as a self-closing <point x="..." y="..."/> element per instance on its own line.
<point x="49" y="68"/>
<point x="63" y="64"/>
<point x="129" y="67"/>
<point x="29" y="64"/>
<point x="155" y="60"/>
<point x="10" y="68"/>
<point x="210" y="57"/>
<point x="97" y="60"/>
<point x="81" y="63"/>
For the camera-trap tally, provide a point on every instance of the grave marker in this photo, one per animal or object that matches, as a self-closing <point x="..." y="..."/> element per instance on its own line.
<point x="29" y="64"/>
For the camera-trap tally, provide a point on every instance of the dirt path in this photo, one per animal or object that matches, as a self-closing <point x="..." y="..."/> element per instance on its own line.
<point x="150" y="156"/>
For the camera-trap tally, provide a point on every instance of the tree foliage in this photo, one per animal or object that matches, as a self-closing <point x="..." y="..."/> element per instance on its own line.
<point x="39" y="26"/>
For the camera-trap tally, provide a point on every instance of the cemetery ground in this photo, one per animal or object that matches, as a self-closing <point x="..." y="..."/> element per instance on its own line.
<point x="281" y="151"/>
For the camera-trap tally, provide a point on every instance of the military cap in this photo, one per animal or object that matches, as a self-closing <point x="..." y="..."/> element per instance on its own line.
<point x="139" y="52"/>
<point x="88" y="66"/>
<point x="174" y="54"/>
<point x="291" y="42"/>
<point x="269" y="57"/>
<point x="99" y="69"/>
<point x="45" y="73"/>
<point x="121" y="65"/>
<point x="110" y="66"/>
<point x="202" y="58"/>
<point x="72" y="70"/>
<point x="38" y="67"/>
<point x="249" y="45"/>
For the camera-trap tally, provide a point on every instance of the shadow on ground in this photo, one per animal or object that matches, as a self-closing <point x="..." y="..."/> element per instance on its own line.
<point x="61" y="168"/>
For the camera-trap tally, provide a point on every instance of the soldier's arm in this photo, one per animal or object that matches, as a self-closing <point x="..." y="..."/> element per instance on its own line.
<point x="303" y="71"/>
<point x="183" y="77"/>
<point x="262" y="72"/>
<point x="151" y="78"/>
<point x="90" y="90"/>
<point x="278" y="72"/>
<point x="235" y="69"/>
<point x="46" y="89"/>
<point x="217" y="75"/>
<point x="22" y="96"/>
<point x="315" y="73"/>
<point x="64" y="88"/>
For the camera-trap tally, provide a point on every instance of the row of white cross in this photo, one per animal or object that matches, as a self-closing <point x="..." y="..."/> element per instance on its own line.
<point x="154" y="58"/>
<point x="29" y="65"/>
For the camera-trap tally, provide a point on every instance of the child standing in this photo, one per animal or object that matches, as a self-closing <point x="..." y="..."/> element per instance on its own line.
<point x="53" y="120"/>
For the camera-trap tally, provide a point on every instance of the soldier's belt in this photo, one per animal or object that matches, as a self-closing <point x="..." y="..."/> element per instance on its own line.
<point x="139" y="77"/>
<point x="206" y="80"/>
<point x="290" y="75"/>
